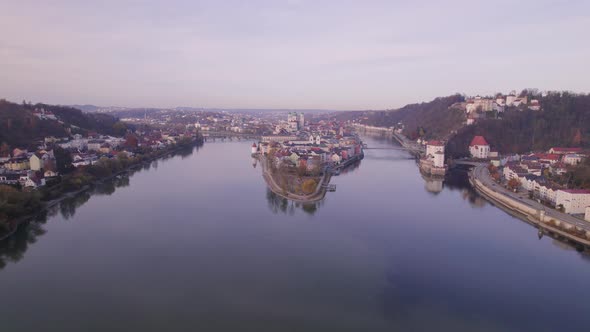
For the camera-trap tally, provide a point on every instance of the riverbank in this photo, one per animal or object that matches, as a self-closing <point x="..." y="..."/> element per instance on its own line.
<point x="547" y="220"/>
<point x="13" y="224"/>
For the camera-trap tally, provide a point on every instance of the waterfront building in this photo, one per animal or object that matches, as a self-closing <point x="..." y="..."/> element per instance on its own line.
<point x="479" y="148"/>
<point x="435" y="150"/>
<point x="574" y="201"/>
<point x="433" y="162"/>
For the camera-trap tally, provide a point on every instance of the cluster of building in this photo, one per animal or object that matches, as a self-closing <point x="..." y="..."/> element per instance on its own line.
<point x="206" y="121"/>
<point x="29" y="169"/>
<point x="478" y="106"/>
<point x="42" y="114"/>
<point x="314" y="146"/>
<point x="33" y="169"/>
<point x="295" y="122"/>
<point x="531" y="172"/>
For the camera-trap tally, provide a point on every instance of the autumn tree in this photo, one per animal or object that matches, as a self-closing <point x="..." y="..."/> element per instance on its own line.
<point x="4" y="150"/>
<point x="577" y="140"/>
<point x="301" y="170"/>
<point x="131" y="141"/>
<point x="514" y="184"/>
<point x="309" y="186"/>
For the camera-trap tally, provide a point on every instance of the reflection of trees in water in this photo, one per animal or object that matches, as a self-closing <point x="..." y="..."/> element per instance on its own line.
<point x="458" y="179"/>
<point x="68" y="206"/>
<point x="13" y="248"/>
<point x="277" y="203"/>
<point x="351" y="168"/>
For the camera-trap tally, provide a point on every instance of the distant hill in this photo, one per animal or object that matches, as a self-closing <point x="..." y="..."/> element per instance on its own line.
<point x="20" y="127"/>
<point x="434" y="119"/>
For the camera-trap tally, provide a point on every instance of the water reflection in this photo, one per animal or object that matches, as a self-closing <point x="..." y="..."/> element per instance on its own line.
<point x="456" y="179"/>
<point x="432" y="184"/>
<point x="279" y="204"/>
<point x="285" y="184"/>
<point x="13" y="248"/>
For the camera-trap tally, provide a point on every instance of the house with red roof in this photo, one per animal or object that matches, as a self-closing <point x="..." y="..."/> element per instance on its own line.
<point x="479" y="148"/>
<point x="550" y="158"/>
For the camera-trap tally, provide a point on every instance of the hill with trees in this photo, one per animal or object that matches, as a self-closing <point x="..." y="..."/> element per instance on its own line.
<point x="20" y="127"/>
<point x="563" y="121"/>
<point x="435" y="119"/>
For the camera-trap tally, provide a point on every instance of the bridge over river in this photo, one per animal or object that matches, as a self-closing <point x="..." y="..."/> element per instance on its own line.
<point x="387" y="148"/>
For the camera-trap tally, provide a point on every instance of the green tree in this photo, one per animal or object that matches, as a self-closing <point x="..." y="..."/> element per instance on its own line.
<point x="63" y="160"/>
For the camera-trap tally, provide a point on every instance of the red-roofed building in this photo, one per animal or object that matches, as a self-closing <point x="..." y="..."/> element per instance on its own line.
<point x="550" y="158"/>
<point x="479" y="148"/>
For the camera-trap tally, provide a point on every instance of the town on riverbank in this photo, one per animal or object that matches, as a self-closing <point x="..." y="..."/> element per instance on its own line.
<point x="299" y="158"/>
<point x="39" y="172"/>
<point x="540" y="187"/>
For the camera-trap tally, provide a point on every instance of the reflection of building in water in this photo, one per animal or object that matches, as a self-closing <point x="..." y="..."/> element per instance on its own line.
<point x="433" y="185"/>
<point x="254" y="162"/>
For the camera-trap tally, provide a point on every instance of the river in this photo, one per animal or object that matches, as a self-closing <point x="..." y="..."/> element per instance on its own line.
<point x="196" y="242"/>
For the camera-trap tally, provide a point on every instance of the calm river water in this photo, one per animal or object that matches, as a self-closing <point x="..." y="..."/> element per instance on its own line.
<point x="196" y="242"/>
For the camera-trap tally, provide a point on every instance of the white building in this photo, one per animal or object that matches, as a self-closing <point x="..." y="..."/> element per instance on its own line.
<point x="572" y="159"/>
<point x="315" y="139"/>
<point x="479" y="148"/>
<point x="301" y="119"/>
<point x="510" y="100"/>
<point x="479" y="103"/>
<point x="435" y="150"/>
<point x="35" y="162"/>
<point x="574" y="201"/>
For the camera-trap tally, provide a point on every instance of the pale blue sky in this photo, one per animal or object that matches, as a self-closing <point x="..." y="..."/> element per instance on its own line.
<point x="288" y="54"/>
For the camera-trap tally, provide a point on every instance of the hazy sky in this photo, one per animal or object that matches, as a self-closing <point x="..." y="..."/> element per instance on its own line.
<point x="288" y="54"/>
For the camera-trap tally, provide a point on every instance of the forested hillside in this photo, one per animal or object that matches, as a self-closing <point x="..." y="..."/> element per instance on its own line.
<point x="434" y="119"/>
<point x="563" y="121"/>
<point x="19" y="127"/>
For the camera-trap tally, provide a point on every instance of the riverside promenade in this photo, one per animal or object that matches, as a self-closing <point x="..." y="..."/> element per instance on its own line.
<point x="547" y="219"/>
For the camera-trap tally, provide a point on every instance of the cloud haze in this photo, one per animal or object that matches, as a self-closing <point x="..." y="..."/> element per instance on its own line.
<point x="287" y="54"/>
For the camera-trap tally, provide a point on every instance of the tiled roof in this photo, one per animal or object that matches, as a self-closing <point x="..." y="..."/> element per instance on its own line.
<point x="478" y="140"/>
